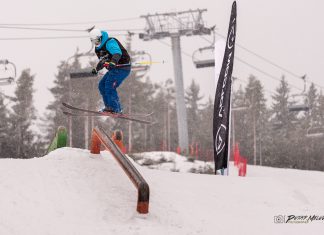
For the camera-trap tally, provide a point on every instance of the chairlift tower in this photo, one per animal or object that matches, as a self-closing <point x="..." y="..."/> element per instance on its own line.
<point x="174" y="25"/>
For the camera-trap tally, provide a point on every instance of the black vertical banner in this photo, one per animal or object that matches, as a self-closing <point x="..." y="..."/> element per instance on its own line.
<point x="222" y="105"/>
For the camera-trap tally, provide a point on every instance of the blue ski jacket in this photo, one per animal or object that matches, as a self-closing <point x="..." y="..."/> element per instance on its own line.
<point x="112" y="49"/>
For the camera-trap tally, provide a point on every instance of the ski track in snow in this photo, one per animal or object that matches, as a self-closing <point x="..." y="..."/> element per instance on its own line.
<point x="71" y="191"/>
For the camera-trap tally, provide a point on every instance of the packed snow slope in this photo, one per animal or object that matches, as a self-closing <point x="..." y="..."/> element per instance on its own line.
<point x="71" y="191"/>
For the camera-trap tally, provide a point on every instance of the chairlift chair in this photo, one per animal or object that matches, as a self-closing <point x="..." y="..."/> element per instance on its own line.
<point x="6" y="81"/>
<point x="298" y="107"/>
<point x="301" y="104"/>
<point x="277" y="124"/>
<point x="8" y="66"/>
<point x="204" y="57"/>
<point x="200" y="60"/>
<point x="315" y="132"/>
<point x="84" y="72"/>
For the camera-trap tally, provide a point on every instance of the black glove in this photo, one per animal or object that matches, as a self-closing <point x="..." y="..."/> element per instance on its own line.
<point x="94" y="71"/>
<point x="100" y="64"/>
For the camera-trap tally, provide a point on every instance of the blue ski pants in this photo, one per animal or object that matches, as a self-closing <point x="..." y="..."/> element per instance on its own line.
<point x="108" y="85"/>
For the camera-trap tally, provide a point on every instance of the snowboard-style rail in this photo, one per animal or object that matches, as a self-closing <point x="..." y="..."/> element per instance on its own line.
<point x="99" y="137"/>
<point x="59" y="140"/>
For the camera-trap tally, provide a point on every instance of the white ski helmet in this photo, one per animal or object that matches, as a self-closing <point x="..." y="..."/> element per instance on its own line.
<point x="95" y="36"/>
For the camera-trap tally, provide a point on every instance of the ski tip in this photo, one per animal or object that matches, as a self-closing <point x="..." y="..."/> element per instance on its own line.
<point x="143" y="115"/>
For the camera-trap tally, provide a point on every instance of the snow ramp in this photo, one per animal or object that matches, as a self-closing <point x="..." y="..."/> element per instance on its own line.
<point x="71" y="191"/>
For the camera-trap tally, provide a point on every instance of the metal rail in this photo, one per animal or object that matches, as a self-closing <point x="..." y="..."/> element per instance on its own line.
<point x="99" y="137"/>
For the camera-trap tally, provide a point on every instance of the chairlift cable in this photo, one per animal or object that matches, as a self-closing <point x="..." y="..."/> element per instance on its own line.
<point x="64" y="30"/>
<point x="73" y="23"/>
<point x="268" y="61"/>
<point x="45" y="38"/>
<point x="242" y="61"/>
<point x="263" y="72"/>
<point x="268" y="91"/>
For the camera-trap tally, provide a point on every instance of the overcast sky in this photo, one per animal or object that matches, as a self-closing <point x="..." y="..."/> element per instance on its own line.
<point x="288" y="33"/>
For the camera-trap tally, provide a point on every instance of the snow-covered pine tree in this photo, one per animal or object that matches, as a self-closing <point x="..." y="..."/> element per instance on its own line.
<point x="5" y="148"/>
<point x="254" y="120"/>
<point x="284" y="123"/>
<point x="22" y="117"/>
<point x="320" y="164"/>
<point x="54" y="116"/>
<point x="240" y="108"/>
<point x="163" y="134"/>
<point x="312" y="146"/>
<point x="192" y="98"/>
<point x="81" y="92"/>
<point x="205" y="132"/>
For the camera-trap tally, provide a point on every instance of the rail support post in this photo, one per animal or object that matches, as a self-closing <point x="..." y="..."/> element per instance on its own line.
<point x="95" y="144"/>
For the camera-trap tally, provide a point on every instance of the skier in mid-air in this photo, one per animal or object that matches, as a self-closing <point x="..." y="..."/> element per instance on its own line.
<point x="113" y="56"/>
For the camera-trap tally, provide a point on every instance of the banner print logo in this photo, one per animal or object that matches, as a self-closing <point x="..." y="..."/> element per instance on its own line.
<point x="220" y="139"/>
<point x="231" y="36"/>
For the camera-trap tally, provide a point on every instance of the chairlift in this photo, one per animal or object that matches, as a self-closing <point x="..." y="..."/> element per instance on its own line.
<point x="84" y="72"/>
<point x="10" y="68"/>
<point x="298" y="107"/>
<point x="277" y="125"/>
<point x="315" y="132"/>
<point x="204" y="57"/>
<point x="299" y="101"/>
<point x="6" y="81"/>
<point x="200" y="60"/>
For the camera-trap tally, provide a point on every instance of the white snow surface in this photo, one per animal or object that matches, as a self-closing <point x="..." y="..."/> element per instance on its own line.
<point x="170" y="161"/>
<point x="71" y="191"/>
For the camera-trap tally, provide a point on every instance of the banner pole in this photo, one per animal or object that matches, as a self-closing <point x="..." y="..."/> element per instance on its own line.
<point x="222" y="103"/>
<point x="230" y="128"/>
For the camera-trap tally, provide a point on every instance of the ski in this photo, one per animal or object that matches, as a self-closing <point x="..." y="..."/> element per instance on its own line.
<point x="133" y="115"/>
<point x="79" y="114"/>
<point x="87" y="112"/>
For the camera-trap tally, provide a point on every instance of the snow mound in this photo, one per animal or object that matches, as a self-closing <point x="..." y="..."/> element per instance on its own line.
<point x="71" y="191"/>
<point x="171" y="161"/>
